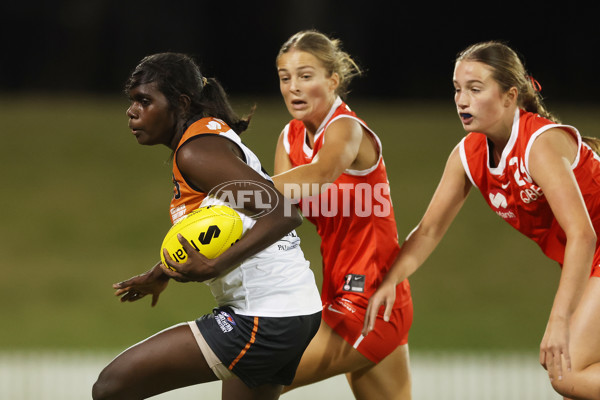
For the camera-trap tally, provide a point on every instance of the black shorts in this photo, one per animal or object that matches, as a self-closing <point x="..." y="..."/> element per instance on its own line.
<point x="258" y="350"/>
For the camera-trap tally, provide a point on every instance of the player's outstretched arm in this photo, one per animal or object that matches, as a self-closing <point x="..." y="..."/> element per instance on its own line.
<point x="447" y="200"/>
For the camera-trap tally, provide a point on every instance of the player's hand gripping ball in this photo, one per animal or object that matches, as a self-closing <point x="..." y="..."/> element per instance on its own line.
<point x="211" y="230"/>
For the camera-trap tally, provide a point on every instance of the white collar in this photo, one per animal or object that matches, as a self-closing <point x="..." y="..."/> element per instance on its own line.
<point x="514" y="134"/>
<point x="307" y="150"/>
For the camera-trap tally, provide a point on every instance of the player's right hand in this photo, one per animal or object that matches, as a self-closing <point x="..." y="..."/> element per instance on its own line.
<point x="385" y="295"/>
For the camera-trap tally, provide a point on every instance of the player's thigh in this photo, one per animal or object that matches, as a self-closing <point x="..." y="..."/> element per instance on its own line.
<point x="584" y="348"/>
<point x="389" y="379"/>
<point x="167" y="360"/>
<point x="327" y="355"/>
<point x="585" y="328"/>
<point x="235" y="389"/>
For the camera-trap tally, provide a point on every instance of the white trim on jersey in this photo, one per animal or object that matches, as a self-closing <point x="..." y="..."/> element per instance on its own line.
<point x="596" y="155"/>
<point x="286" y="138"/>
<point x="364" y="172"/>
<point x="463" y="160"/>
<point x="307" y="150"/>
<point x="499" y="170"/>
<point x="251" y="158"/>
<point x="545" y="128"/>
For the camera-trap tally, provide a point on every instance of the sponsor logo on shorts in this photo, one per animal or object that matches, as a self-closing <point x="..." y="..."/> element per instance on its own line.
<point x="347" y="304"/>
<point x="334" y="310"/>
<point x="225" y="321"/>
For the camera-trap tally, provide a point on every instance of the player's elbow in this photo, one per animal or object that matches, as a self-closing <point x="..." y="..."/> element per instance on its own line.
<point x="327" y="177"/>
<point x="584" y="238"/>
<point x="322" y="175"/>
<point x="295" y="218"/>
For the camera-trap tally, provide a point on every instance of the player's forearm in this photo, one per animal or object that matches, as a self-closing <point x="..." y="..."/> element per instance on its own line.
<point x="304" y="181"/>
<point x="157" y="272"/>
<point x="415" y="250"/>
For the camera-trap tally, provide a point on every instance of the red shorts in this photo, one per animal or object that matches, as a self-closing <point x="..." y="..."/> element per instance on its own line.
<point x="347" y="321"/>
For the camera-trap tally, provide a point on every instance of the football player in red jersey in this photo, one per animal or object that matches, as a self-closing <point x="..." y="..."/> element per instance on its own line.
<point x="332" y="163"/>
<point x="541" y="177"/>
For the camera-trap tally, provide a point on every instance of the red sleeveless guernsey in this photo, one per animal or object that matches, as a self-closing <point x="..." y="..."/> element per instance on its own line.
<point x="354" y="218"/>
<point x="511" y="192"/>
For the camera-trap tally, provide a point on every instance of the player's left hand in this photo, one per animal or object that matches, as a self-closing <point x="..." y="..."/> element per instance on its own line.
<point x="554" y="349"/>
<point x="196" y="267"/>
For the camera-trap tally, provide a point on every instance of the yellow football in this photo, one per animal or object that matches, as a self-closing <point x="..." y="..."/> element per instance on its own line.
<point x="211" y="230"/>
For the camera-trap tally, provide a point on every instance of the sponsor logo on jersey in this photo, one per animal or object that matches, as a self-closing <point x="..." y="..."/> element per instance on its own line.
<point x="213" y="125"/>
<point x="499" y="204"/>
<point x="354" y="283"/>
<point x="288" y="242"/>
<point x="178" y="213"/>
<point x="506" y="214"/>
<point x="498" y="200"/>
<point x="225" y="321"/>
<point x="528" y="191"/>
<point x="530" y="194"/>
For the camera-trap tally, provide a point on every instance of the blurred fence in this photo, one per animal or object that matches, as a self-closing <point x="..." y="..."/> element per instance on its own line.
<point x="436" y="376"/>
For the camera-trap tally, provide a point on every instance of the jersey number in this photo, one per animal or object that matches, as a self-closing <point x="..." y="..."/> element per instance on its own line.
<point x="176" y="189"/>
<point x="518" y="170"/>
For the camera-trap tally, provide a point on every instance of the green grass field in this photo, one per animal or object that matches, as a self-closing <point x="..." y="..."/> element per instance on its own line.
<point x="84" y="206"/>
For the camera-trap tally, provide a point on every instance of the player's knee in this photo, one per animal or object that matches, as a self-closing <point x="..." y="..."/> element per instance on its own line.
<point x="99" y="390"/>
<point x="105" y="388"/>
<point x="569" y="390"/>
<point x="564" y="387"/>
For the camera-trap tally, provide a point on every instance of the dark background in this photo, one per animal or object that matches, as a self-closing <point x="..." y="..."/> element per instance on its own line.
<point x="407" y="48"/>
